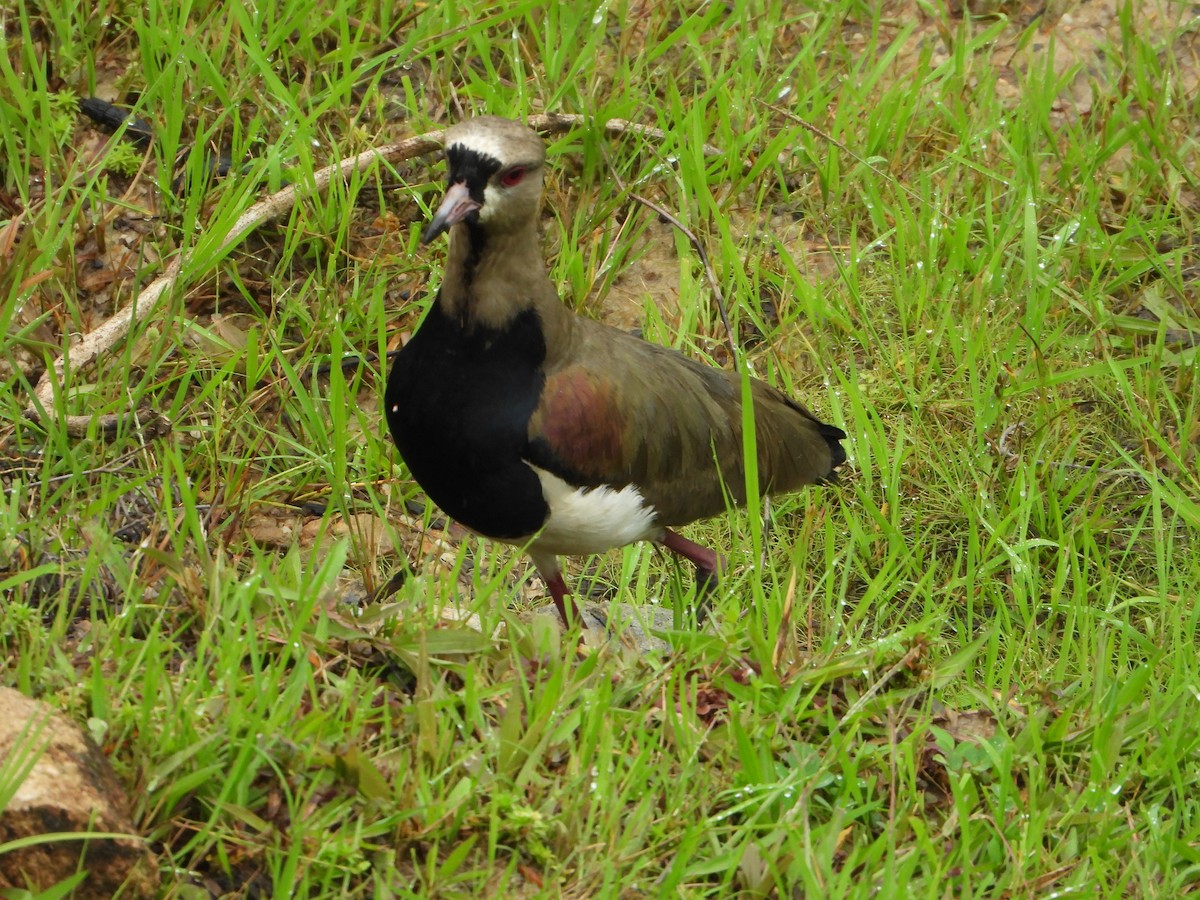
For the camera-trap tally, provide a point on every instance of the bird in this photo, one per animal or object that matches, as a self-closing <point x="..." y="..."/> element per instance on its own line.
<point x="533" y="425"/>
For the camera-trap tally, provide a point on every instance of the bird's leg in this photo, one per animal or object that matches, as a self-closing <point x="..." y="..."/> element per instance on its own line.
<point x="552" y="575"/>
<point x="709" y="564"/>
<point x="562" y="598"/>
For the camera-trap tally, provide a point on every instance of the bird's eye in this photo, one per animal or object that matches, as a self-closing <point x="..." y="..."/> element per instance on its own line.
<point x="513" y="176"/>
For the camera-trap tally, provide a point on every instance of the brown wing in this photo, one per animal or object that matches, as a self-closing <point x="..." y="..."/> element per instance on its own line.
<point x="624" y="411"/>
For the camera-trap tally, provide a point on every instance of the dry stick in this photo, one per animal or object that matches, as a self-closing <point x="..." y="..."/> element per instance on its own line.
<point x="110" y="332"/>
<point x="116" y="465"/>
<point x="113" y="329"/>
<point x="718" y="297"/>
<point x="813" y="129"/>
<point x="785" y="624"/>
<point x="905" y="662"/>
<point x="1008" y="453"/>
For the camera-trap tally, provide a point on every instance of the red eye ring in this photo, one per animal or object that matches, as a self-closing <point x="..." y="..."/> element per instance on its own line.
<point x="513" y="176"/>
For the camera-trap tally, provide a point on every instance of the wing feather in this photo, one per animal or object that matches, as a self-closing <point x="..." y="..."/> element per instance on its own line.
<point x="622" y="411"/>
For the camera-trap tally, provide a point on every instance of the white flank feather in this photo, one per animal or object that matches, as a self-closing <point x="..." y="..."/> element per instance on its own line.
<point x="584" y="521"/>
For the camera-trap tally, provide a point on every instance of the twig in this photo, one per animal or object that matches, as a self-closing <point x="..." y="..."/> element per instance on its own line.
<point x="785" y="624"/>
<point x="110" y="332"/>
<point x="905" y="662"/>
<point x="116" y="465"/>
<point x="1008" y="432"/>
<point x="113" y="329"/>
<point x="813" y="129"/>
<point x="718" y="297"/>
<point x="1003" y="448"/>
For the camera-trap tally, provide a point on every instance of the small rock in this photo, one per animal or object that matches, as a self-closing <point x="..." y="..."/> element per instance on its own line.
<point x="624" y="624"/>
<point x="65" y="785"/>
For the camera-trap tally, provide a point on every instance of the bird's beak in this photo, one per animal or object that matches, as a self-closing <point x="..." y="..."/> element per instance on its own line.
<point x="456" y="206"/>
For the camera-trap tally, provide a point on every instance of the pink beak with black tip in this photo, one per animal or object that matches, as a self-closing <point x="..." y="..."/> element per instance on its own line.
<point x="455" y="206"/>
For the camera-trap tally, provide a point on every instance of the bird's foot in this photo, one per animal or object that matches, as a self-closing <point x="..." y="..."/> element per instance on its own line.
<point x="706" y="586"/>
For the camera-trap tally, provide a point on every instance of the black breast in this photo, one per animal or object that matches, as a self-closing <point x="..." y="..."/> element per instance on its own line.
<point x="458" y="405"/>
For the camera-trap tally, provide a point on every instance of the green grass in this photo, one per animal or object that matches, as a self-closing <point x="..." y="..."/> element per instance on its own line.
<point x="969" y="671"/>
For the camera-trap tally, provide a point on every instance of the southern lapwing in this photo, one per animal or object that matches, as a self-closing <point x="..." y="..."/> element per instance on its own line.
<point x="532" y="425"/>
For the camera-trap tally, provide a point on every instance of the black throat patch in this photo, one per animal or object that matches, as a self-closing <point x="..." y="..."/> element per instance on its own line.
<point x="474" y="169"/>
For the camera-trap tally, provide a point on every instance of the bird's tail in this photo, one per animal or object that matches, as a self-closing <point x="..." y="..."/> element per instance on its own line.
<point x="837" y="453"/>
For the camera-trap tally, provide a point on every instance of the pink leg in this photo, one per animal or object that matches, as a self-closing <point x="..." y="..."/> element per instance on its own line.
<point x="709" y="564"/>
<point x="562" y="597"/>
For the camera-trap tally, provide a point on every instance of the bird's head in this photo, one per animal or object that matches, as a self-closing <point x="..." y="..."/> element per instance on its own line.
<point x="495" y="177"/>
